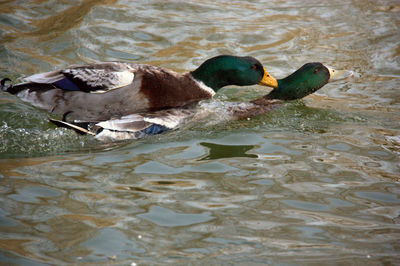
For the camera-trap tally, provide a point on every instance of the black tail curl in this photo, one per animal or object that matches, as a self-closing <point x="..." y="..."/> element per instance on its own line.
<point x="4" y="87"/>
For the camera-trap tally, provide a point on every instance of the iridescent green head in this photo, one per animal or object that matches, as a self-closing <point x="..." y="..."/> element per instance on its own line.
<point x="306" y="80"/>
<point x="224" y="70"/>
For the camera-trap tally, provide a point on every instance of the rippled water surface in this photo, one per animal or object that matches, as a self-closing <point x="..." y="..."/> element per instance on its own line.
<point x="315" y="181"/>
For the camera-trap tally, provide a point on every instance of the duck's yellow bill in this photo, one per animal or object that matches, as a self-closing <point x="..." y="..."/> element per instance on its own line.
<point x="338" y="74"/>
<point x="268" y="80"/>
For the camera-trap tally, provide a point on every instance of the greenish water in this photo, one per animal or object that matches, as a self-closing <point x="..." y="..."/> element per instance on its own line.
<point x="314" y="182"/>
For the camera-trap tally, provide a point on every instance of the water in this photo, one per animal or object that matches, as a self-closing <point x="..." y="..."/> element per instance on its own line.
<point x="314" y="182"/>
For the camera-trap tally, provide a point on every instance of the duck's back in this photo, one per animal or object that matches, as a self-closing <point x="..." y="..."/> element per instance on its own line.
<point x="102" y="91"/>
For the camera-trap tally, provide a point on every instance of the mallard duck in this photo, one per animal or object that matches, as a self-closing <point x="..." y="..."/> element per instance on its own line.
<point x="306" y="80"/>
<point x="103" y="91"/>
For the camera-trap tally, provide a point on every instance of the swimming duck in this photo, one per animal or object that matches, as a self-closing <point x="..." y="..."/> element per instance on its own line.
<point x="306" y="80"/>
<point x="103" y="91"/>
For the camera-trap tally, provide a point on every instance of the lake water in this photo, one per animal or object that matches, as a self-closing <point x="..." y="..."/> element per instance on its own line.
<point x="314" y="182"/>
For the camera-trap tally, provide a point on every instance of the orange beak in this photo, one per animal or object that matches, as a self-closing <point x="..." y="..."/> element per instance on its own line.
<point x="268" y="80"/>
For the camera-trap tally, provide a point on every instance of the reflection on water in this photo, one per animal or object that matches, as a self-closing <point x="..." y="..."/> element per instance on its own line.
<point x="217" y="151"/>
<point x="315" y="181"/>
<point x="168" y="218"/>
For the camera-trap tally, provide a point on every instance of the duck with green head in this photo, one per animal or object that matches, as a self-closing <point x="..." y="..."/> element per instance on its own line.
<point x="306" y="80"/>
<point x="102" y="91"/>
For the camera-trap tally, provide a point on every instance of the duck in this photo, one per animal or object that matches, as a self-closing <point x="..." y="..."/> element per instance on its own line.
<point x="306" y="80"/>
<point x="110" y="90"/>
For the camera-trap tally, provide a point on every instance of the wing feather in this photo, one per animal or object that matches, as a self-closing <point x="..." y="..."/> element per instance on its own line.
<point x="169" y="119"/>
<point x="98" y="80"/>
<point x="95" y="78"/>
<point x="130" y="123"/>
<point x="46" y="77"/>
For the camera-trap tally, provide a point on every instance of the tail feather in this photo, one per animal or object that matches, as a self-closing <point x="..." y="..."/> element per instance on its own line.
<point x="76" y="128"/>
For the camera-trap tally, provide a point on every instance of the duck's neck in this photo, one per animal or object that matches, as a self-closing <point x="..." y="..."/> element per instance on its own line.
<point x="287" y="90"/>
<point x="206" y="75"/>
<point x="292" y="88"/>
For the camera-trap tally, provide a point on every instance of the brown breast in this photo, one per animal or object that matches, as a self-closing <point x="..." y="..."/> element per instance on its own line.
<point x="165" y="89"/>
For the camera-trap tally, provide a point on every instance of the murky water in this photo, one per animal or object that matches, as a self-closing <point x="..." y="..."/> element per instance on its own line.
<point x="314" y="182"/>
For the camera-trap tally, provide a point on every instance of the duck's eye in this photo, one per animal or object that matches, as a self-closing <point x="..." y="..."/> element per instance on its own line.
<point x="316" y="71"/>
<point x="253" y="67"/>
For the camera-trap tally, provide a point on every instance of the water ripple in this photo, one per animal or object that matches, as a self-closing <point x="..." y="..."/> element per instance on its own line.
<point x="313" y="182"/>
